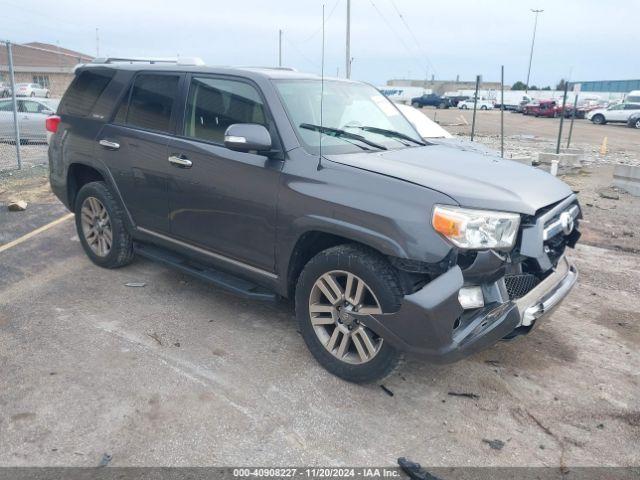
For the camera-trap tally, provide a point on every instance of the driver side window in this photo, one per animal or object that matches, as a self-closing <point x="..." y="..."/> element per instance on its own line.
<point x="214" y="104"/>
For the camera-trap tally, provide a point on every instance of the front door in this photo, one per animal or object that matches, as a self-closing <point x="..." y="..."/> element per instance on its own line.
<point x="219" y="199"/>
<point x="134" y="148"/>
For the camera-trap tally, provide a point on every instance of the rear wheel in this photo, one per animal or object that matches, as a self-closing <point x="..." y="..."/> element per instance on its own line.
<point x="463" y="107"/>
<point x="598" y="119"/>
<point x="637" y="124"/>
<point x="483" y="107"/>
<point x="334" y="285"/>
<point x="47" y="95"/>
<point x="101" y="228"/>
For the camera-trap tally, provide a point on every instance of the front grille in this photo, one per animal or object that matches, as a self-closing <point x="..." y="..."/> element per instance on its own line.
<point x="519" y="285"/>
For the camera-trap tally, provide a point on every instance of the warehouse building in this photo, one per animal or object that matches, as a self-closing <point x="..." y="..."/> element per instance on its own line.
<point x="617" y="86"/>
<point x="47" y="65"/>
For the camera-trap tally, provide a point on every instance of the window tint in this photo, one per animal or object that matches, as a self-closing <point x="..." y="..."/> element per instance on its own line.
<point x="30" y="107"/>
<point x="84" y="91"/>
<point x="632" y="106"/>
<point x="215" y="103"/>
<point x="6" y="106"/>
<point x="152" y="101"/>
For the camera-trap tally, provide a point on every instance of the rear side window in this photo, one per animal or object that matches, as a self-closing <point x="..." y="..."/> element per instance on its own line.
<point x="84" y="91"/>
<point x="151" y="102"/>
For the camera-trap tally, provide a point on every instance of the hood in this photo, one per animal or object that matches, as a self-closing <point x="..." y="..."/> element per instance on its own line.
<point x="591" y="113"/>
<point x="473" y="180"/>
<point x="464" y="145"/>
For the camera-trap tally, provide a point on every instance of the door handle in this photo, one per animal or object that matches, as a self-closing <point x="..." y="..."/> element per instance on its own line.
<point x="180" y="162"/>
<point x="109" y="144"/>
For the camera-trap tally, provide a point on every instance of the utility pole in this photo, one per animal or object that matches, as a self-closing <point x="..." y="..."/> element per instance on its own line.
<point x="97" y="43"/>
<point x="280" y="48"/>
<point x="533" y="41"/>
<point x="12" y="82"/>
<point x="348" y="43"/>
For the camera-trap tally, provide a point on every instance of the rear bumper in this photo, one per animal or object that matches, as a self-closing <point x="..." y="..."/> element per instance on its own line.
<point x="425" y="323"/>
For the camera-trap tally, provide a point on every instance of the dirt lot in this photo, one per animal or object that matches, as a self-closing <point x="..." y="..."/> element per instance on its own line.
<point x="180" y="373"/>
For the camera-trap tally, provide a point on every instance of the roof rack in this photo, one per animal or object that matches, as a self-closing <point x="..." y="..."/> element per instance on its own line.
<point x="187" y="61"/>
<point x="287" y="69"/>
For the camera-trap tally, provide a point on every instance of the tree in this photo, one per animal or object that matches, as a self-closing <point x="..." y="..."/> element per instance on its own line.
<point x="518" y="86"/>
<point x="560" y="85"/>
<point x="533" y="87"/>
<point x="546" y="88"/>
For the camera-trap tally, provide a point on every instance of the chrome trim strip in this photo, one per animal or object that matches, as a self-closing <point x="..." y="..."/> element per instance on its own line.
<point x="548" y="293"/>
<point x="217" y="256"/>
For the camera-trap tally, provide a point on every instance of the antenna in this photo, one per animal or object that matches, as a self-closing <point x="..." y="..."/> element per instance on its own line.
<point x="321" y="90"/>
<point x="97" y="43"/>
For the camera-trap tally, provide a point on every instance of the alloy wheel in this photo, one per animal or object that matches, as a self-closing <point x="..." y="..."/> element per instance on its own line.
<point x="334" y="299"/>
<point x="96" y="226"/>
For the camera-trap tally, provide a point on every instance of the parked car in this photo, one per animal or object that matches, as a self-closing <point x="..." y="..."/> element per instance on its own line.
<point x="634" y="121"/>
<point x="633" y="97"/>
<point x="386" y="244"/>
<point x="32" y="114"/>
<point x="619" y="112"/>
<point x="430" y="100"/>
<point x="31" y="90"/>
<point x="5" y="90"/>
<point x="456" y="99"/>
<point x="483" y="104"/>
<point x="544" y="108"/>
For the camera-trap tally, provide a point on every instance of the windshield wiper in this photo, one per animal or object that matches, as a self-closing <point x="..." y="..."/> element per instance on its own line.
<point x="336" y="132"/>
<point x="391" y="134"/>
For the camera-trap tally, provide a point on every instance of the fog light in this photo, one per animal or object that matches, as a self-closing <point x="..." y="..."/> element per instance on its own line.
<point x="471" y="297"/>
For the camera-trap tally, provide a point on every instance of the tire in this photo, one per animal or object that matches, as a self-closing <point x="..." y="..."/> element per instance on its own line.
<point x="483" y="107"/>
<point x="47" y="95"/>
<point x="415" y="105"/>
<point x="637" y="124"/>
<point x="464" y="107"/>
<point x="33" y="94"/>
<point x="442" y="105"/>
<point x="598" y="119"/>
<point x="120" y="251"/>
<point x="381" y="287"/>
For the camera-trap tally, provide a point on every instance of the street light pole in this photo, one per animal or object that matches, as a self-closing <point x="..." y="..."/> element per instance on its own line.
<point x="348" y="41"/>
<point x="533" y="41"/>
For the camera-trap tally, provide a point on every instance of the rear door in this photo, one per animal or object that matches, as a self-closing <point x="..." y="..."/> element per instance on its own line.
<point x="223" y="201"/>
<point x="134" y="147"/>
<point x="32" y="120"/>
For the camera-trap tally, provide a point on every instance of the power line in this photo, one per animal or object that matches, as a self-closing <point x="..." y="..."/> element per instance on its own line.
<point x="333" y="9"/>
<point x="413" y="36"/>
<point x="384" y="19"/>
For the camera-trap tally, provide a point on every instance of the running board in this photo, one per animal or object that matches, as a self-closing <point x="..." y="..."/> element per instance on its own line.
<point x="227" y="281"/>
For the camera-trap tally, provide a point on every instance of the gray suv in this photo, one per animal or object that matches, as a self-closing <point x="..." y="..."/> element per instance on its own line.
<point x="273" y="183"/>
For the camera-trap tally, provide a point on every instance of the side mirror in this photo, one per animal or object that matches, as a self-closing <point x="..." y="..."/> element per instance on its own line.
<point x="247" y="137"/>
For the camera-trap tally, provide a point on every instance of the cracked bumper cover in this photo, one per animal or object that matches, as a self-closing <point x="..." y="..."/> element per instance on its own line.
<point x="424" y="323"/>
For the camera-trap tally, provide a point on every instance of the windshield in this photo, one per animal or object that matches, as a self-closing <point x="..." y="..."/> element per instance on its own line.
<point x="347" y="109"/>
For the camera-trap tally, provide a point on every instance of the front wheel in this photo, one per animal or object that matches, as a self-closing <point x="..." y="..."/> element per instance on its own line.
<point x="33" y="94"/>
<point x="415" y="105"/>
<point x="637" y="123"/>
<point x="47" y="95"/>
<point x="598" y="119"/>
<point x="463" y="107"/>
<point x="336" y="284"/>
<point x="483" y="107"/>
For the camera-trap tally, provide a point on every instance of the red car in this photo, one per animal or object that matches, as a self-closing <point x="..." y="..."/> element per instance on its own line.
<point x="544" y="108"/>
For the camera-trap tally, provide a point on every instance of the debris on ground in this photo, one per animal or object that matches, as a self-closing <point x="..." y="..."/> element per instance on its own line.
<point x="415" y="470"/>
<point x="609" y="193"/>
<point x="494" y="444"/>
<point x="493" y="363"/>
<point x="386" y="390"/>
<point x="156" y="337"/>
<point x="104" y="461"/>
<point x="464" y="394"/>
<point x="17" y="206"/>
<point x="135" y="284"/>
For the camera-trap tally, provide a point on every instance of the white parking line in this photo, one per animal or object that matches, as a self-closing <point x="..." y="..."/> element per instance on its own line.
<point x="35" y="232"/>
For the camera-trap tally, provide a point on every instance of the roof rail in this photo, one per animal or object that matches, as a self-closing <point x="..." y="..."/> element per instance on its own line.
<point x="192" y="61"/>
<point x="287" y="69"/>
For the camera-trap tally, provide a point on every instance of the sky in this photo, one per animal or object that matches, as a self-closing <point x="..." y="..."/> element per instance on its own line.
<point x="576" y="39"/>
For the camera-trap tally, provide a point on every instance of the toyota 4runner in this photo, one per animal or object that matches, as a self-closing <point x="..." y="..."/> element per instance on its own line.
<point x="273" y="183"/>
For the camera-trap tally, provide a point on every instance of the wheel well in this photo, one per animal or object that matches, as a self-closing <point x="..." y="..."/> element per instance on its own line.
<point x="78" y="176"/>
<point x="307" y="247"/>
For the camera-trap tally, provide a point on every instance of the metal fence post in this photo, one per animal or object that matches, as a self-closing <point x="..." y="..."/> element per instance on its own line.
<point x="15" y="104"/>
<point x="573" y="117"/>
<point x="502" y="111"/>
<point x="475" y="105"/>
<point x="564" y="103"/>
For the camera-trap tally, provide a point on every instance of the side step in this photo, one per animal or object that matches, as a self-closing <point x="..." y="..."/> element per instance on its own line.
<point x="233" y="284"/>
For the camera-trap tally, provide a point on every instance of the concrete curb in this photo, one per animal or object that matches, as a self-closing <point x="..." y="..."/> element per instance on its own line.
<point x="627" y="178"/>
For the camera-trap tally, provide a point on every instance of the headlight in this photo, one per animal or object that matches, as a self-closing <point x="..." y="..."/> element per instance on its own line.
<point x="476" y="229"/>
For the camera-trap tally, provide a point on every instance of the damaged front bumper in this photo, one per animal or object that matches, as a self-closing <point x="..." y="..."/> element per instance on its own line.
<point x="428" y="321"/>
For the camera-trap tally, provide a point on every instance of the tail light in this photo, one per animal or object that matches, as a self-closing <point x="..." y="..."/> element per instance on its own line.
<point x="51" y="123"/>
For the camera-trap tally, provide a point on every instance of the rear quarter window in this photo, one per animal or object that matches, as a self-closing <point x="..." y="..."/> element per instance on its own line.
<point x="84" y="91"/>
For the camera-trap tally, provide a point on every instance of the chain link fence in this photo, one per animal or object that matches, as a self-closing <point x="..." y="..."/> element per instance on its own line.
<point x="38" y="74"/>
